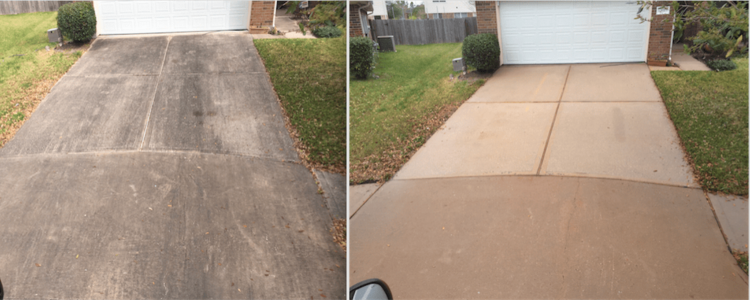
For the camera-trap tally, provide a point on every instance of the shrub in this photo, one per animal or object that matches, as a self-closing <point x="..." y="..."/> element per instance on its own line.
<point x="327" y="32"/>
<point x="360" y="57"/>
<point x="721" y="64"/>
<point x="77" y="21"/>
<point x="482" y="51"/>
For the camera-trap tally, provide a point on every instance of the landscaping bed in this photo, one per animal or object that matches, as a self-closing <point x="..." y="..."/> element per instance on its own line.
<point x="309" y="75"/>
<point x="710" y="112"/>
<point x="395" y="114"/>
<point x="28" y="70"/>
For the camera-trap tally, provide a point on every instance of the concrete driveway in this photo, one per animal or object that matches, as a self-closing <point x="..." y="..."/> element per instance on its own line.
<point x="604" y="121"/>
<point x="561" y="181"/>
<point x="160" y="167"/>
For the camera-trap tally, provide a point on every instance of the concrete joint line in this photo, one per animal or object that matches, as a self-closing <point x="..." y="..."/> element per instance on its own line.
<point x="552" y="126"/>
<point x="135" y="151"/>
<point x="365" y="202"/>
<point x="153" y="98"/>
<point x="554" y="175"/>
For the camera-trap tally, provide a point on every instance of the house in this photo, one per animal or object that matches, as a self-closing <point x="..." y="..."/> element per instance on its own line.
<point x="379" y="10"/>
<point x="449" y="9"/>
<point x="134" y="17"/>
<point x="577" y="32"/>
<point x="358" y="25"/>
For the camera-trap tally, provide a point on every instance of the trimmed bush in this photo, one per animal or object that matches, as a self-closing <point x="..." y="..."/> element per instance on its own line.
<point x="77" y="21"/>
<point x="482" y="51"/>
<point x="327" y="32"/>
<point x="721" y="64"/>
<point x="360" y="57"/>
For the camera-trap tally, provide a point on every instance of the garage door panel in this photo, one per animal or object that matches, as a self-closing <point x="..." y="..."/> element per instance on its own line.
<point x="571" y="32"/>
<point x="129" y="17"/>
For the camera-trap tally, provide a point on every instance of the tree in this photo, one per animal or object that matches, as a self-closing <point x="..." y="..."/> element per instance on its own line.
<point x="395" y="10"/>
<point x="723" y="27"/>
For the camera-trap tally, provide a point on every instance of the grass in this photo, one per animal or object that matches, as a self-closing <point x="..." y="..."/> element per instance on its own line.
<point x="27" y="70"/>
<point x="710" y="111"/>
<point x="392" y="116"/>
<point x="309" y="76"/>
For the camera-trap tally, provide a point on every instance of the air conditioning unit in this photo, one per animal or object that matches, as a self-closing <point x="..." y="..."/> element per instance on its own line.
<point x="387" y="43"/>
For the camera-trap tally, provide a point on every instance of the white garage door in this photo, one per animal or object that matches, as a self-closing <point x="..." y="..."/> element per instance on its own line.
<point x="126" y="17"/>
<point x="571" y="32"/>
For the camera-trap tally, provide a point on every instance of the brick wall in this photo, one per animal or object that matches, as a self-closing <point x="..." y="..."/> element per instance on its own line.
<point x="261" y="14"/>
<point x="355" y="24"/>
<point x="486" y="17"/>
<point x="448" y="16"/>
<point x="471" y="15"/>
<point x="660" y="35"/>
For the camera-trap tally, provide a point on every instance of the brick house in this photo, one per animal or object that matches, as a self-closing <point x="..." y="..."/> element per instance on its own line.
<point x="136" y="17"/>
<point x="449" y="9"/>
<point x="577" y="32"/>
<point x="358" y="24"/>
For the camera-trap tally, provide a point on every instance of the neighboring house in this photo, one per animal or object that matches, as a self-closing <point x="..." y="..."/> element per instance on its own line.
<point x="449" y="9"/>
<point x="358" y="25"/>
<point x="576" y="32"/>
<point x="133" y="17"/>
<point x="379" y="10"/>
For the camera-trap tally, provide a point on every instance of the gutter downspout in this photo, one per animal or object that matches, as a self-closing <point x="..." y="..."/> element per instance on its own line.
<point x="273" y="25"/>
<point x="671" y="40"/>
<point x="359" y="14"/>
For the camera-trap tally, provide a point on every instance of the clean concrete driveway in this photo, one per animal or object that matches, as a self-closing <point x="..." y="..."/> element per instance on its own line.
<point x="160" y="167"/>
<point x="605" y="121"/>
<point x="563" y="181"/>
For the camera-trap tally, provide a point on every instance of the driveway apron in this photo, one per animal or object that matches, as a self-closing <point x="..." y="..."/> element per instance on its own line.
<point x="551" y="181"/>
<point x="160" y="167"/>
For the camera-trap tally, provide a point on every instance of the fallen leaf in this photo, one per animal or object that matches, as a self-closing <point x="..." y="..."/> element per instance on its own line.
<point x="244" y="226"/>
<point x="220" y="264"/>
<point x="170" y="205"/>
<point x="77" y="254"/>
<point x="322" y="295"/>
<point x="239" y="290"/>
<point x="38" y="265"/>
<point x="206" y="232"/>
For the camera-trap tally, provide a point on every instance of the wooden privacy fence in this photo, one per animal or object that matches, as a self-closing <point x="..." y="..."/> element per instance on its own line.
<point x="21" y="7"/>
<point x="421" y="32"/>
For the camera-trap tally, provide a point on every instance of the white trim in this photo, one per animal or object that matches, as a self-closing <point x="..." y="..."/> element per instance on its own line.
<point x="648" y="32"/>
<point x="96" y="13"/>
<point x="499" y="32"/>
<point x="273" y="24"/>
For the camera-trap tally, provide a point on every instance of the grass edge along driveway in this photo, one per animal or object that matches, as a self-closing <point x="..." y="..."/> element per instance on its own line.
<point x="27" y="70"/>
<point x="309" y="75"/>
<point x="710" y="112"/>
<point x="395" y="114"/>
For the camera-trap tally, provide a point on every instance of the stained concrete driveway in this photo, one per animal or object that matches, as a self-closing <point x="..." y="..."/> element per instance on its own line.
<point x="160" y="167"/>
<point x="561" y="181"/>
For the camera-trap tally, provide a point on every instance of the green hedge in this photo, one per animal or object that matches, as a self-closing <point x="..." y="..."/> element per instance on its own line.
<point x="482" y="51"/>
<point x="77" y="21"/>
<point x="721" y="64"/>
<point x="360" y="57"/>
<point x="327" y="32"/>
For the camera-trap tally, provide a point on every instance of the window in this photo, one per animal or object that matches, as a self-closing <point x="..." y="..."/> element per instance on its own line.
<point x="438" y="16"/>
<point x="460" y="15"/>
<point x="438" y="1"/>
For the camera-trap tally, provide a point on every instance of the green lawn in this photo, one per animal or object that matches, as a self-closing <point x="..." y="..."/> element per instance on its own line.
<point x="309" y="76"/>
<point x="27" y="70"/>
<point x="710" y="111"/>
<point x="394" y="115"/>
